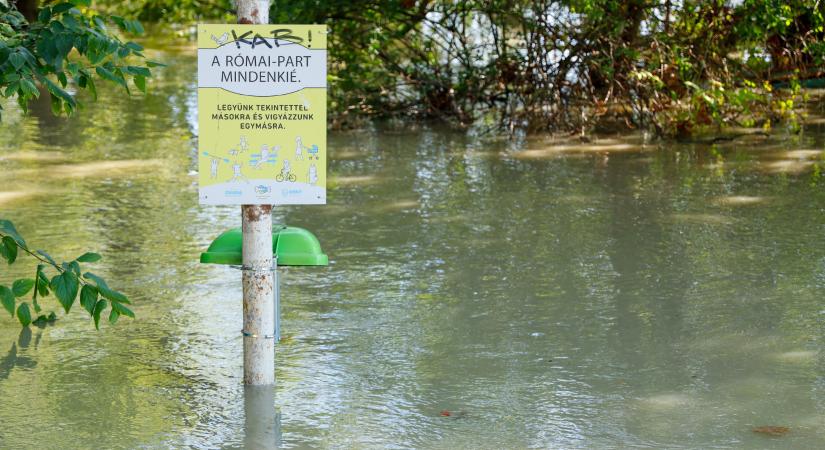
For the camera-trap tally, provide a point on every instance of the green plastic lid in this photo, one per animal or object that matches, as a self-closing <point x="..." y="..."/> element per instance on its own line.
<point x="292" y="245"/>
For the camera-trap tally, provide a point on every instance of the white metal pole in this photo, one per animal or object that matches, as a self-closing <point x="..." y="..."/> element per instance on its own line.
<point x="258" y="298"/>
<point x="258" y="277"/>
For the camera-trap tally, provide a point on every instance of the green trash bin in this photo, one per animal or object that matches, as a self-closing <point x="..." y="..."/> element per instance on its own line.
<point x="292" y="246"/>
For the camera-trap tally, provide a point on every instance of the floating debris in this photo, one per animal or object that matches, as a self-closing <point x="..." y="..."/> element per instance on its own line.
<point x="738" y="200"/>
<point x="771" y="430"/>
<point x="453" y="414"/>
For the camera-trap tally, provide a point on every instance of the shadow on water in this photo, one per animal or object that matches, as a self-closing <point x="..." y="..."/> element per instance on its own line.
<point x="12" y="359"/>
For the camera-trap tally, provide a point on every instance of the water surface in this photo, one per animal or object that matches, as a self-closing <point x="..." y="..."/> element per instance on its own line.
<point x="483" y="292"/>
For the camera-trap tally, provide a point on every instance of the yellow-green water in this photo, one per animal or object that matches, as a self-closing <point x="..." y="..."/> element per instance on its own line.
<point x="547" y="294"/>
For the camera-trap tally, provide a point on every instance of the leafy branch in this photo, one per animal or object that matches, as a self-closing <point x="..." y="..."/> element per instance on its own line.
<point x="44" y="52"/>
<point x="69" y="282"/>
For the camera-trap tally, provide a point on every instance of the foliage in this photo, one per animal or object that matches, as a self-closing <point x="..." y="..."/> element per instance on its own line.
<point x="67" y="283"/>
<point x="676" y="67"/>
<point x="68" y="43"/>
<point x="172" y="11"/>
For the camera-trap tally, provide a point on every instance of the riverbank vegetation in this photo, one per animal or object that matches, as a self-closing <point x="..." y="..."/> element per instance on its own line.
<point x="674" y="68"/>
<point x="677" y="68"/>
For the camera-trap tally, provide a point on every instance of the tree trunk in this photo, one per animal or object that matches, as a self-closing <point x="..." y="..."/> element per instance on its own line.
<point x="28" y="8"/>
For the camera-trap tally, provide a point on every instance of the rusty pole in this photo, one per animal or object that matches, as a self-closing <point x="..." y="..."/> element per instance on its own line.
<point x="258" y="274"/>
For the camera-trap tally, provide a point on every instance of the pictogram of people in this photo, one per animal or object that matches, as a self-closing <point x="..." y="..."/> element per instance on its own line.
<point x="299" y="149"/>
<point x="312" y="176"/>
<point x="213" y="165"/>
<point x="286" y="173"/>
<point x="237" y="175"/>
<point x="265" y="156"/>
<point x="312" y="152"/>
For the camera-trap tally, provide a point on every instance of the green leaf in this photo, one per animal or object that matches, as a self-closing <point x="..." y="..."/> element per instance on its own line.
<point x="99" y="307"/>
<point x="23" y="314"/>
<point x="17" y="60"/>
<point x="137" y="70"/>
<point x="92" y="88"/>
<point x="89" y="257"/>
<point x="134" y="46"/>
<point x="113" y="315"/>
<point x="7" y="228"/>
<point x="11" y="89"/>
<point x="123" y="310"/>
<point x="7" y="298"/>
<point x="137" y="27"/>
<point x="64" y="44"/>
<point x="8" y="248"/>
<point x="109" y="75"/>
<point x="99" y="22"/>
<point x="114" y="296"/>
<point x="61" y="77"/>
<point x="65" y="288"/>
<point x="104" y="289"/>
<point x="119" y="21"/>
<point x="57" y="104"/>
<point x="58" y="92"/>
<point x="42" y="281"/>
<point x="140" y="82"/>
<point x="46" y="255"/>
<point x="62" y="7"/>
<point x="28" y="88"/>
<point x="119" y="74"/>
<point x="22" y="286"/>
<point x="88" y="298"/>
<point x="44" y="15"/>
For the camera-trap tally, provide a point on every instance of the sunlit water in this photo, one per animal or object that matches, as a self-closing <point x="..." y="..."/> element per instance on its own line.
<point x="482" y="292"/>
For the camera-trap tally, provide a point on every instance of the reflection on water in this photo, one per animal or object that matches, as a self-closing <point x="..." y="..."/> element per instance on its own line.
<point x="262" y="423"/>
<point x="542" y="292"/>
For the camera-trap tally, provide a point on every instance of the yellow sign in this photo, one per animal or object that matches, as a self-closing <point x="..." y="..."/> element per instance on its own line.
<point x="262" y="99"/>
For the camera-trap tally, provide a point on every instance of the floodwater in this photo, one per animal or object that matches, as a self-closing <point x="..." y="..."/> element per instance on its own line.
<point x="482" y="292"/>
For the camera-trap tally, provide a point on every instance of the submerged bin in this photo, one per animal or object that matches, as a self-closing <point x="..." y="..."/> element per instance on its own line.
<point x="291" y="246"/>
